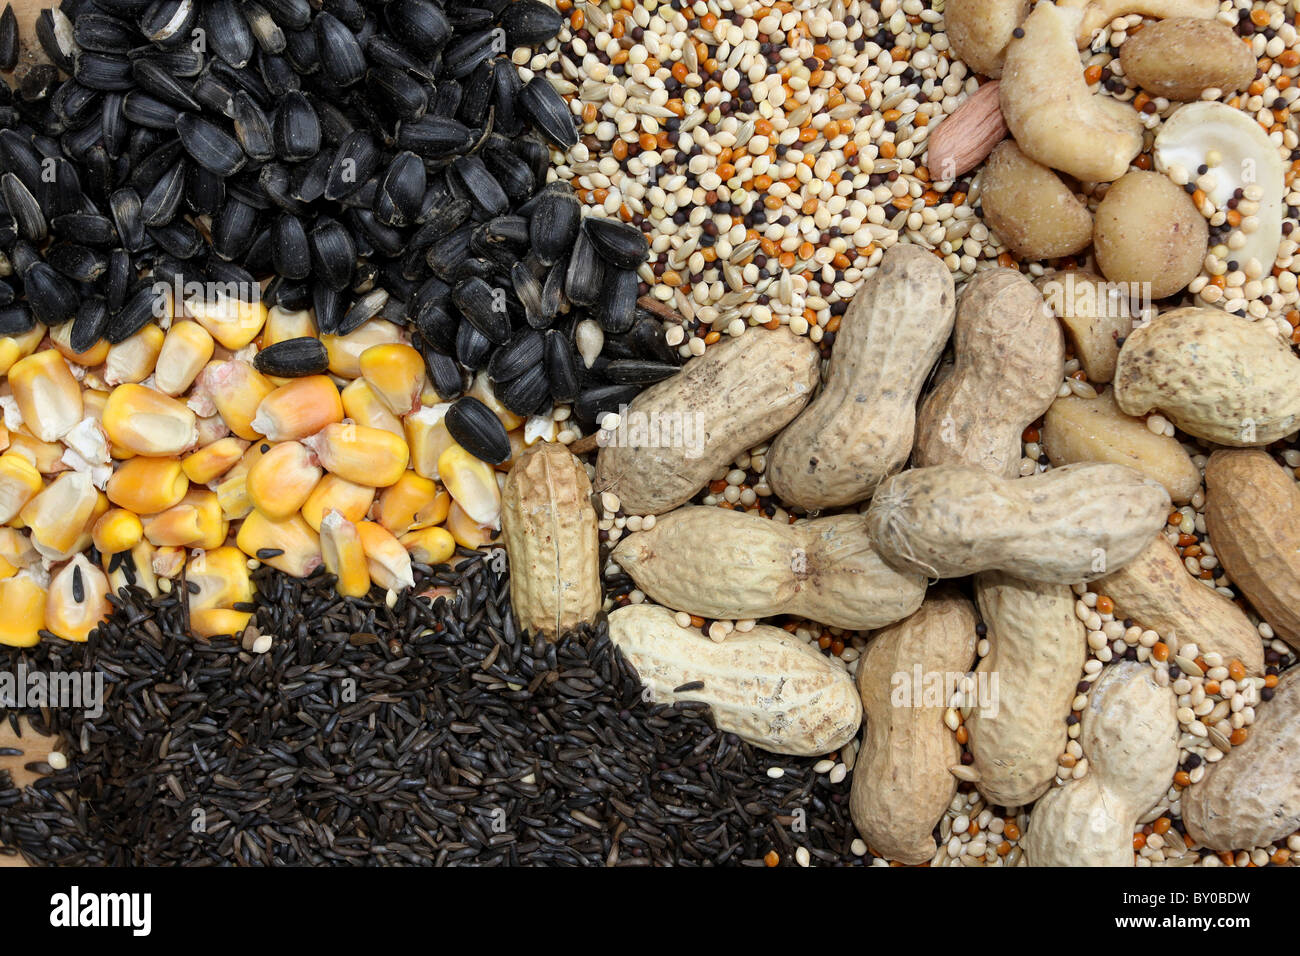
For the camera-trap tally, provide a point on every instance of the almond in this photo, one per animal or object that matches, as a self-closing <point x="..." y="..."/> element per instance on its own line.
<point x="963" y="140"/>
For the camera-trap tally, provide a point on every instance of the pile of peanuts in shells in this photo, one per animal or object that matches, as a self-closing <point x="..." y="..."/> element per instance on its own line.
<point x="821" y="167"/>
<point x="778" y="158"/>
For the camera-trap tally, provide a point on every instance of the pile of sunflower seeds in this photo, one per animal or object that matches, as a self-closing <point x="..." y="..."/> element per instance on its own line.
<point x="377" y="161"/>
<point x="431" y="732"/>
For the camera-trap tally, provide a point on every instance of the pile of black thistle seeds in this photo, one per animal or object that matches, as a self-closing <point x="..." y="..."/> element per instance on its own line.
<point x="374" y="159"/>
<point x="429" y="733"/>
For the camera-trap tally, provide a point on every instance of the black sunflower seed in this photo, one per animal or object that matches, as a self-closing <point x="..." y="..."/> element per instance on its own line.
<point x="523" y="352"/>
<point x="28" y="218"/>
<point x="329" y="307"/>
<point x="296" y="128"/>
<point x="618" y="243"/>
<point x="54" y="32"/>
<point x="548" y="111"/>
<point x="8" y="39"/>
<point x="268" y="34"/>
<point x="165" y="21"/>
<point x="639" y="371"/>
<point x="210" y="146"/>
<point x="124" y="205"/>
<point x="293" y="358"/>
<point x="53" y="298"/>
<point x="584" y="277"/>
<point x="478" y="430"/>
<point x="445" y="374"/>
<point x="79" y="263"/>
<point x="16" y="319"/>
<point x="290" y="250"/>
<point x="592" y="403"/>
<point x="154" y="78"/>
<point x="144" y="110"/>
<point x="363" y="310"/>
<point x="615" y="307"/>
<point x="290" y="14"/>
<point x="418" y="24"/>
<point x="526" y="394"/>
<point x="252" y="127"/>
<point x="398" y="92"/>
<point x="333" y="253"/>
<point x="473" y="348"/>
<point x="530" y="23"/>
<point x="234" y="229"/>
<point x="484" y="307"/>
<point x="340" y="54"/>
<point x="162" y="202"/>
<point x="555" y="219"/>
<point x="561" y="367"/>
<point x="400" y="194"/>
<point x="89" y="324"/>
<point x="228" y="33"/>
<point x="142" y="305"/>
<point x="103" y="71"/>
<point x="434" y="137"/>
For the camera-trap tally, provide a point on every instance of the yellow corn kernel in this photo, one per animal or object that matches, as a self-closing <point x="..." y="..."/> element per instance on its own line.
<point x="16" y="548"/>
<point x="148" y="485"/>
<point x="221" y="578"/>
<point x="7" y="570"/>
<point x="301" y="408"/>
<point x="217" y="621"/>
<point x="348" y="498"/>
<point x="482" y="390"/>
<point x="412" y="503"/>
<point x="147" y="422"/>
<point x="429" y="545"/>
<point x="14" y="347"/>
<point x="93" y="401"/>
<point x="344" y="555"/>
<point x="19" y="483"/>
<point x="48" y="397"/>
<point x="213" y="526"/>
<point x="290" y="546"/>
<point x="4" y="437"/>
<point x="212" y="461"/>
<point x="362" y="405"/>
<point x="387" y="561"/>
<point x="234" y="390"/>
<point x="24" y="615"/>
<point x="232" y="489"/>
<point x="185" y="351"/>
<point x="473" y="485"/>
<point x="58" y="515"/>
<point x="344" y="351"/>
<point x="465" y="530"/>
<point x="428" y="438"/>
<point x="47" y="456"/>
<point x="168" y="561"/>
<point x="137" y="570"/>
<point x="61" y="339"/>
<point x="396" y="372"/>
<point x="117" y="530"/>
<point x="134" y="359"/>
<point x="282" y="325"/>
<point x="77" y="602"/>
<point x="280" y="482"/>
<point x="365" y="455"/>
<point x="230" y="320"/>
<point x="176" y="527"/>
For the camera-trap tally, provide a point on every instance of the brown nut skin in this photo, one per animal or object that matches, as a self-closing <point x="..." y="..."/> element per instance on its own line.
<point x="1181" y="57"/>
<point x="736" y="395"/>
<point x="1030" y="208"/>
<point x="860" y="427"/>
<point x="1095" y="314"/>
<point x="1010" y="357"/>
<point x="1148" y="231"/>
<point x="1214" y="375"/>
<point x="822" y="569"/>
<point x="1156" y="590"/>
<point x="1078" y="429"/>
<point x="964" y="140"/>
<point x="1129" y="734"/>
<point x="901" y="781"/>
<point x="1252" y="514"/>
<point x="548" y="525"/>
<point x="1251" y="797"/>
<point x="1037" y="648"/>
<point x="1062" y="526"/>
<point x="764" y="685"/>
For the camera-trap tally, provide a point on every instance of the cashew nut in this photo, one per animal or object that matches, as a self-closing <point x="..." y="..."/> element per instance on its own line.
<point x="1049" y="109"/>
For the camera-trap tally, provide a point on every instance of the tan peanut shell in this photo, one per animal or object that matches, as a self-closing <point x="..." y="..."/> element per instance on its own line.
<point x="859" y="430"/>
<point x="1251" y="797"/>
<point x="732" y="565"/>
<point x="549" y="528"/>
<point x="1096" y="315"/>
<point x="1037" y="649"/>
<point x="1156" y="590"/>
<point x="736" y="395"/>
<point x="1077" y="429"/>
<point x="1252" y="514"/>
<point x="1010" y="356"/>
<point x="1214" y="375"/>
<point x="1129" y="734"/>
<point x="765" y="685"/>
<point x="901" y="781"/>
<point x="1062" y="526"/>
